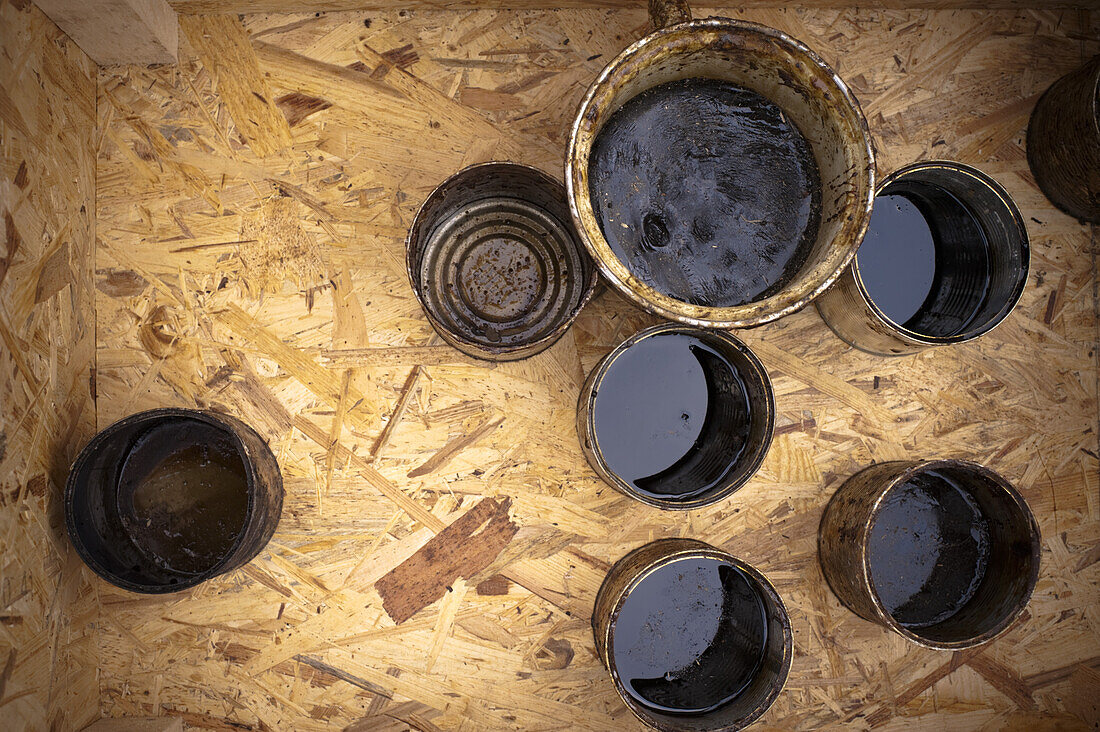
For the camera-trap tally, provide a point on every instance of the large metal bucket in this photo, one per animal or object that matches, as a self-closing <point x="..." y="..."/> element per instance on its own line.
<point x="807" y="92"/>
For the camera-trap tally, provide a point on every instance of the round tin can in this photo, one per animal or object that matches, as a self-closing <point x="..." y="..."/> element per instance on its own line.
<point x="809" y="96"/>
<point x="944" y="553"/>
<point x="166" y="499"/>
<point x="495" y="262"/>
<point x="1063" y="142"/>
<point x="694" y="638"/>
<point x="677" y="417"/>
<point x="981" y="253"/>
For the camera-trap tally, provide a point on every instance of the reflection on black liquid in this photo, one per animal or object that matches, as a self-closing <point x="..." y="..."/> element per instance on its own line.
<point x="690" y="636"/>
<point x="672" y="416"/>
<point x="706" y="191"/>
<point x="928" y="550"/>
<point x="897" y="259"/>
<point x="925" y="261"/>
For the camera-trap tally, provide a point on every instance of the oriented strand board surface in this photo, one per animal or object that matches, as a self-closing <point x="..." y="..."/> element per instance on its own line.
<point x="264" y="276"/>
<point x="47" y="346"/>
<point x="118" y="31"/>
<point x="301" y="6"/>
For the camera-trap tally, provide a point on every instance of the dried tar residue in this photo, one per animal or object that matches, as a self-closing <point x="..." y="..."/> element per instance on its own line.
<point x="706" y="192"/>
<point x="925" y="261"/>
<point x="671" y="416"/>
<point x="183" y="495"/>
<point x="501" y="277"/>
<point x="690" y="636"/>
<point x="928" y="550"/>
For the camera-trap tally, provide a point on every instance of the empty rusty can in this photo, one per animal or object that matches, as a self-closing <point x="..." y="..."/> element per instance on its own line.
<point x="945" y="260"/>
<point x="695" y="639"/>
<point x="495" y="262"/>
<point x="719" y="172"/>
<point x="944" y="552"/>
<point x="165" y="499"/>
<point x="677" y="417"/>
<point x="1063" y="142"/>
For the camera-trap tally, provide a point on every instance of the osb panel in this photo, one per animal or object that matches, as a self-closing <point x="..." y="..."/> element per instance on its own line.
<point x="47" y="343"/>
<point x="266" y="278"/>
<point x="299" y="6"/>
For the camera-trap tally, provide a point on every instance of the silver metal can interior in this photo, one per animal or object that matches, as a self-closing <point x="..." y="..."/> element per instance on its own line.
<point x="495" y="262"/>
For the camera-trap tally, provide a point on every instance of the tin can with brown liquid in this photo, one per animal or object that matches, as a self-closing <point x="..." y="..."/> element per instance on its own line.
<point x="166" y="499"/>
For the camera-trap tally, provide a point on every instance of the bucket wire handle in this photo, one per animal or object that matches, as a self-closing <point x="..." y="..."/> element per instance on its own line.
<point x="663" y="13"/>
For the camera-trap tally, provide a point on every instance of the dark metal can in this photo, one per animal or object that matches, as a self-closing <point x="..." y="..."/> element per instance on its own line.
<point x="981" y="258"/>
<point x="944" y="552"/>
<point x="165" y="499"/>
<point x="694" y="639"/>
<point x="1063" y="142"/>
<point x="495" y="262"/>
<point x="809" y="95"/>
<point x="677" y="417"/>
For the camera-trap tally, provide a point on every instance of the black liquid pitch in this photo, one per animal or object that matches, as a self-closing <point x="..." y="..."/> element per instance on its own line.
<point x="928" y="550"/>
<point x="897" y="259"/>
<point x="183" y="495"/>
<point x="926" y="262"/>
<point x="672" y="416"/>
<point x="690" y="636"/>
<point x="706" y="191"/>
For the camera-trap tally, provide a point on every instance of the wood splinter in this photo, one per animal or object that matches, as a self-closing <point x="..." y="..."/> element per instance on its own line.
<point x="407" y="392"/>
<point x="455" y="446"/>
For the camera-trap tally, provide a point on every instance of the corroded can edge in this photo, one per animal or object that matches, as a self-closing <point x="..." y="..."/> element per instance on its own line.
<point x="1063" y="143"/>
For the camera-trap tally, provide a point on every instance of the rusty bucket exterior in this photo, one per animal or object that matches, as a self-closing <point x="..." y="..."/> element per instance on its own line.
<point x="765" y="685"/>
<point x="736" y="468"/>
<point x="1063" y="142"/>
<point x="783" y="71"/>
<point x="851" y="313"/>
<point x="495" y="262"/>
<point x="103" y="531"/>
<point x="1003" y="591"/>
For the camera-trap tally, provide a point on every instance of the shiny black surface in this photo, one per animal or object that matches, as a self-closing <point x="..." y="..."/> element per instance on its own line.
<point x="706" y="192"/>
<point x="672" y="416"/>
<point x="928" y="550"/>
<point x="690" y="636"/>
